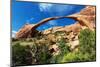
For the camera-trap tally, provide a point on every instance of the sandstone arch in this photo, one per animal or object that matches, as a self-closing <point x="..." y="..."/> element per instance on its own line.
<point x="30" y="30"/>
<point x="85" y="18"/>
<point x="78" y="18"/>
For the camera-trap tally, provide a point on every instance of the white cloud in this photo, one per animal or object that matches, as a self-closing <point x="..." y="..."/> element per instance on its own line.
<point x="44" y="6"/>
<point x="55" y="9"/>
<point x="52" y="22"/>
<point x="14" y="33"/>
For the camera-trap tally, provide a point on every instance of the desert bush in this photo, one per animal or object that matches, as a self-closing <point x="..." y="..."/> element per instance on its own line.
<point x="87" y="48"/>
<point x="25" y="55"/>
<point x="41" y="53"/>
<point x="21" y="55"/>
<point x="87" y="40"/>
<point x="63" y="46"/>
<point x="64" y="49"/>
<point x="75" y="57"/>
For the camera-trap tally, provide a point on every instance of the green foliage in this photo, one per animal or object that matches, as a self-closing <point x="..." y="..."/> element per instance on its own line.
<point x="87" y="48"/>
<point x="21" y="55"/>
<point x="70" y="57"/>
<point x="75" y="57"/>
<point x="41" y="53"/>
<point x="64" y="49"/>
<point x="87" y="40"/>
<point x="38" y="52"/>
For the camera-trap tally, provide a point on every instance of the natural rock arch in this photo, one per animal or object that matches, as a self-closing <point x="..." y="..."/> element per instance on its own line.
<point x="30" y="30"/>
<point x="78" y="18"/>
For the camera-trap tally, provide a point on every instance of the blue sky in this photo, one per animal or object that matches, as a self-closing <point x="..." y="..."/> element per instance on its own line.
<point x="30" y="12"/>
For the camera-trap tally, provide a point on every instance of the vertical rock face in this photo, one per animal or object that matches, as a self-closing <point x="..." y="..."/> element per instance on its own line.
<point x="85" y="19"/>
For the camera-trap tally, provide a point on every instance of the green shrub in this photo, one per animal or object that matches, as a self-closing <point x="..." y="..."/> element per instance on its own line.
<point x="41" y="53"/>
<point x="75" y="57"/>
<point x="87" y="48"/>
<point x="24" y="55"/>
<point x="64" y="49"/>
<point x="87" y="39"/>
<point x="21" y="55"/>
<point x="70" y="57"/>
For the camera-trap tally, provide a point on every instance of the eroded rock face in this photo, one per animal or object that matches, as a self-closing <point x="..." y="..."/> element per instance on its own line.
<point x="89" y="14"/>
<point x="26" y="32"/>
<point x="89" y="10"/>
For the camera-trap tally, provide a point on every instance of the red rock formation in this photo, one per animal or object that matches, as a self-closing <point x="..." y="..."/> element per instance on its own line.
<point x="89" y="13"/>
<point x="25" y="31"/>
<point x="85" y="19"/>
